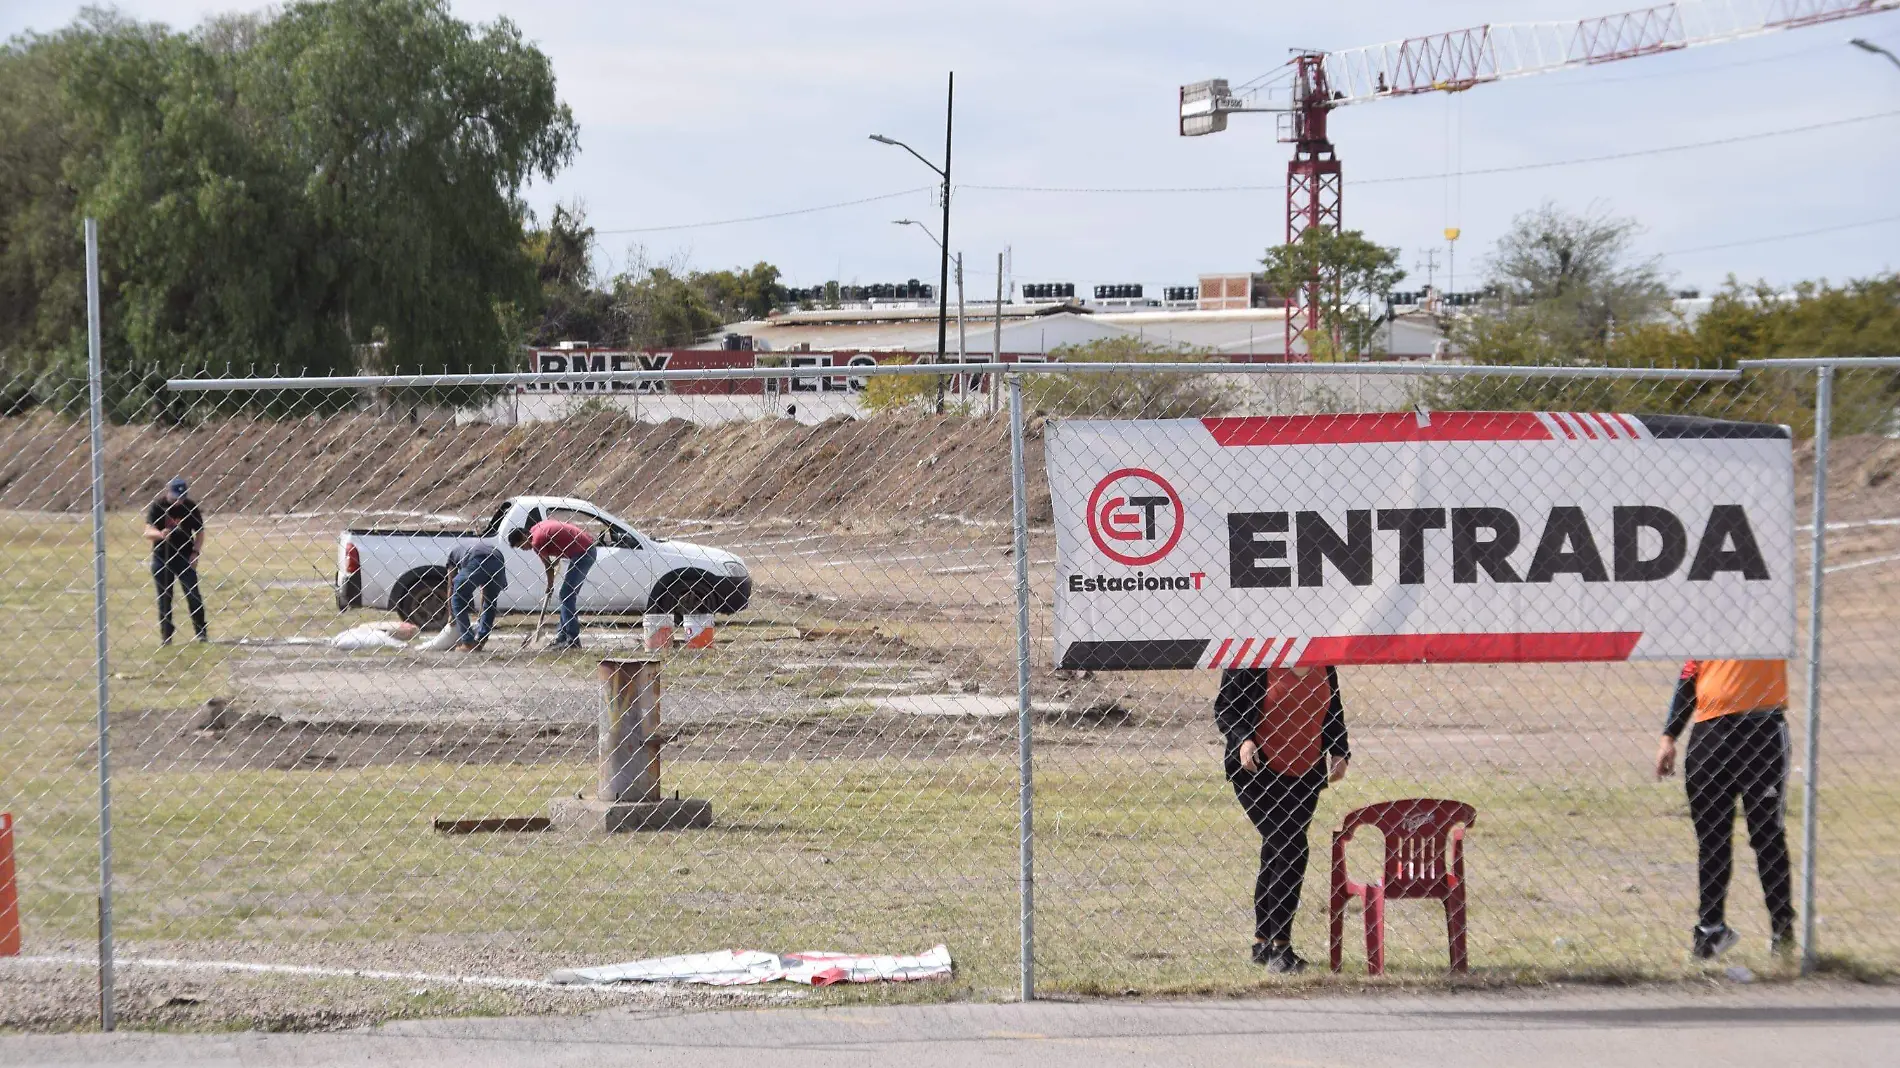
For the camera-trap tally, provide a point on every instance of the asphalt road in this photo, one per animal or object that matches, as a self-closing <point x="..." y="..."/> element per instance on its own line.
<point x="1734" y="1027"/>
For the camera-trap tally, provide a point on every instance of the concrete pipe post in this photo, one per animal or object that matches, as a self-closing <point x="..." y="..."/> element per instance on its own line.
<point x="627" y="796"/>
<point x="629" y="731"/>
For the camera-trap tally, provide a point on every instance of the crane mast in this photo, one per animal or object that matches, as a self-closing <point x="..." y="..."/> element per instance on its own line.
<point x="1310" y="86"/>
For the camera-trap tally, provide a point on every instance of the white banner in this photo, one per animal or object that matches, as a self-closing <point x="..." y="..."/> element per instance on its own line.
<point x="1420" y="538"/>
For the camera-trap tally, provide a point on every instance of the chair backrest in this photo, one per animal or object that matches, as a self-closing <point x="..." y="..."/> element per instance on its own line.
<point x="1415" y="830"/>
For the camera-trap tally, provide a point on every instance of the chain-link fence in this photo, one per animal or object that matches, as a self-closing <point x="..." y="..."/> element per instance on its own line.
<point x="834" y="614"/>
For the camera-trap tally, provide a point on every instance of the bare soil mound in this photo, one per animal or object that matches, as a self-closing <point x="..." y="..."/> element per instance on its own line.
<point x="891" y="466"/>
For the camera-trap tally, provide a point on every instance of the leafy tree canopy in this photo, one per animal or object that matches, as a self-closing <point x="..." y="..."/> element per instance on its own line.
<point x="1354" y="275"/>
<point x="274" y="190"/>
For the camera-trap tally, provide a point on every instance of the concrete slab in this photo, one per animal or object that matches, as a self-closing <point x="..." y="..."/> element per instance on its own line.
<point x="588" y="816"/>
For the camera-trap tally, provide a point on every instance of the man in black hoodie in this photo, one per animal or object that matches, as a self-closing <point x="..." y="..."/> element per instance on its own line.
<point x="176" y="530"/>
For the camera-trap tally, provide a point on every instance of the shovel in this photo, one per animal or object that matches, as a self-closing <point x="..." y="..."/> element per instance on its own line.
<point x="541" y="619"/>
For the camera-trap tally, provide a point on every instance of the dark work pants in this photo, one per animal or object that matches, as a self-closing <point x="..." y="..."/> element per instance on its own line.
<point x="1281" y="809"/>
<point x="180" y="569"/>
<point x="1745" y="758"/>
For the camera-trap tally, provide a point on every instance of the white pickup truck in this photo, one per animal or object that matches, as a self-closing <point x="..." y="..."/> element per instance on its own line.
<point x="405" y="570"/>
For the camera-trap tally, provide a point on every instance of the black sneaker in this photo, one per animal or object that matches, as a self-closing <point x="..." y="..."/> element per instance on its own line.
<point x="1712" y="942"/>
<point x="1279" y="960"/>
<point x="1783" y="944"/>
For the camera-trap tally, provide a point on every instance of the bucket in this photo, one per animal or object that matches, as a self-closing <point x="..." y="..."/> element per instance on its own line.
<point x="659" y="630"/>
<point x="699" y="630"/>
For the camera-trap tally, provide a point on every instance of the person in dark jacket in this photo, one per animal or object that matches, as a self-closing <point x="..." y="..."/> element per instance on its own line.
<point x="176" y="530"/>
<point x="1285" y="733"/>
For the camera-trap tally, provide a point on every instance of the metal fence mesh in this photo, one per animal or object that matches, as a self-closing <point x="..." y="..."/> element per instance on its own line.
<point x="854" y="726"/>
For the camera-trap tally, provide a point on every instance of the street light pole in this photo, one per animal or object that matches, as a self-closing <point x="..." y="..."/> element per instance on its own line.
<point x="1868" y="46"/>
<point x="943" y="272"/>
<point x="943" y="286"/>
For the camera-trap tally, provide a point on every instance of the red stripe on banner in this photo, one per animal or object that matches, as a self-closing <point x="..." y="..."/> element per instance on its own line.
<point x="1353" y="429"/>
<point x="1585" y="424"/>
<point x="1606" y="424"/>
<point x="1242" y="653"/>
<point x="1281" y="659"/>
<point x="1214" y="662"/>
<point x="1265" y="648"/>
<point x="1471" y="648"/>
<point x="1570" y="432"/>
<point x="1633" y="432"/>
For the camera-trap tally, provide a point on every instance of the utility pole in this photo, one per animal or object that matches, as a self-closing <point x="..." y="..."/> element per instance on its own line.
<point x="963" y="336"/>
<point x="943" y="271"/>
<point x="1429" y="264"/>
<point x="996" y="339"/>
<point x="949" y="110"/>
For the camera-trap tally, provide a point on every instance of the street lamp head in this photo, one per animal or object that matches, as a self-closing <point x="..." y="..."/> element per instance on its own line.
<point x="1864" y="44"/>
<point x="882" y="140"/>
<point x="905" y="222"/>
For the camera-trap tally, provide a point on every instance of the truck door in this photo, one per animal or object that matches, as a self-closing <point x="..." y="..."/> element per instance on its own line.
<point x="526" y="578"/>
<point x="622" y="572"/>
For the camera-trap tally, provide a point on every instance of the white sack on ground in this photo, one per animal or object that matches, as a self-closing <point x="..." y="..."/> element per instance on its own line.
<point x="369" y="636"/>
<point x="748" y="967"/>
<point x="443" y="640"/>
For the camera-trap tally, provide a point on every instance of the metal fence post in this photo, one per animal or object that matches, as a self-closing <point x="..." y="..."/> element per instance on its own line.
<point x="1026" y="789"/>
<point x="1810" y="776"/>
<point x="95" y="386"/>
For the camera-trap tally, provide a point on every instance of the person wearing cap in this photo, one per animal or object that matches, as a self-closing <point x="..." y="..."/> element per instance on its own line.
<point x="176" y="530"/>
<point x="554" y="541"/>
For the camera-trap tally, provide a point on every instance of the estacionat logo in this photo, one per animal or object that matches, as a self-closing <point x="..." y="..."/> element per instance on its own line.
<point x="1136" y="583"/>
<point x="1135" y="517"/>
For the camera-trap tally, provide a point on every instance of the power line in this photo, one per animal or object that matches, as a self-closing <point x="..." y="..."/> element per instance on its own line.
<point x="773" y="215"/>
<point x="1786" y="237"/>
<point x="1198" y="189"/>
<point x="1514" y="168"/>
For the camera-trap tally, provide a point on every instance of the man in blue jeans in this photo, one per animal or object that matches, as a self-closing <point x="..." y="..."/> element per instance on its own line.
<point x="475" y="567"/>
<point x="554" y="541"/>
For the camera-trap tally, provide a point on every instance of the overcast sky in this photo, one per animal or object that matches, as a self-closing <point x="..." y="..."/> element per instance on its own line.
<point x="694" y="113"/>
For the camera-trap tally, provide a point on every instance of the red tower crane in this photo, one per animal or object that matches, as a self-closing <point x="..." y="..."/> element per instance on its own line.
<point x="1311" y="85"/>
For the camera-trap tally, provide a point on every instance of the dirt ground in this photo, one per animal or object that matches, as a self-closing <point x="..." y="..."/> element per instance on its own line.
<point x="856" y="727"/>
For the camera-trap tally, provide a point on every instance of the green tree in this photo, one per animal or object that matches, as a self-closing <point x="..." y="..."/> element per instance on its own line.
<point x="661" y="309"/>
<point x="273" y="190"/>
<point x="412" y="134"/>
<point x="1120" y="395"/>
<point x="572" y="306"/>
<point x="1564" y="285"/>
<point x="1354" y="275"/>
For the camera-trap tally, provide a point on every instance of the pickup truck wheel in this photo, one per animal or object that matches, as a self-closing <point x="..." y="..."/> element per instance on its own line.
<point x="681" y="592"/>
<point x="422" y="597"/>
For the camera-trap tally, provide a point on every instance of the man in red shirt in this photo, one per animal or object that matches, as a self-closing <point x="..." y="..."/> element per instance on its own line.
<point x="554" y="541"/>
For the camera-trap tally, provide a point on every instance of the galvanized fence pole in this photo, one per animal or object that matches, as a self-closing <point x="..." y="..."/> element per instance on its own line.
<point x="1026" y="789"/>
<point x="1817" y="570"/>
<point x="95" y="387"/>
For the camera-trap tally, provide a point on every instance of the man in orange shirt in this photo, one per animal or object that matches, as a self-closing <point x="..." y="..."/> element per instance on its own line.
<point x="1285" y="734"/>
<point x="1739" y="750"/>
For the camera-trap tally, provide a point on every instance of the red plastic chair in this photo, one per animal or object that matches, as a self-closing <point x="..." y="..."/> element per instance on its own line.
<point x="1424" y="858"/>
